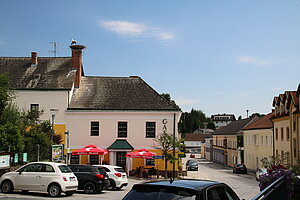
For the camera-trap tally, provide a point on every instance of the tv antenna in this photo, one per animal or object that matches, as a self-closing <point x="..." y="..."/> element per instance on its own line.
<point x="54" y="51"/>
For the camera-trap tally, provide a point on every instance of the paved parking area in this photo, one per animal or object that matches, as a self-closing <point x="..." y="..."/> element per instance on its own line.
<point x="105" y="194"/>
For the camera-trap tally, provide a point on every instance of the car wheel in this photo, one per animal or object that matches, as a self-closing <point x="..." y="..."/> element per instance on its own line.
<point x="54" y="190"/>
<point x="112" y="184"/>
<point x="69" y="193"/>
<point x="7" y="187"/>
<point x="119" y="188"/>
<point x="89" y="188"/>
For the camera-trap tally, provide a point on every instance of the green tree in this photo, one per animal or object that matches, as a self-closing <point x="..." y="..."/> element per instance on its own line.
<point x="11" y="138"/>
<point x="6" y="94"/>
<point x="167" y="143"/>
<point x="191" y="121"/>
<point x="168" y="98"/>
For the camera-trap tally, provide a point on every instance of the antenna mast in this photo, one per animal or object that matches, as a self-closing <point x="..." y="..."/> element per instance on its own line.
<point x="54" y="48"/>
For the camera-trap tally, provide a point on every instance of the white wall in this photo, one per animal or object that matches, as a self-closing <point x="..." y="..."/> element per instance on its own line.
<point x="79" y="122"/>
<point x="46" y="101"/>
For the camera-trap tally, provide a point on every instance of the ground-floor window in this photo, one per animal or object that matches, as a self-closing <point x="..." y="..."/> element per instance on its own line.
<point x="94" y="159"/>
<point x="74" y="159"/>
<point x="150" y="162"/>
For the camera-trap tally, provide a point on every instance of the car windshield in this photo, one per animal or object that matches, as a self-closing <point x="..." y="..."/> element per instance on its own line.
<point x="263" y="170"/>
<point x="64" y="169"/>
<point x="160" y="193"/>
<point x="119" y="170"/>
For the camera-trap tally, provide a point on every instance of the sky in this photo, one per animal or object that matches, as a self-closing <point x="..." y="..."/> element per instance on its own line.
<point x="215" y="56"/>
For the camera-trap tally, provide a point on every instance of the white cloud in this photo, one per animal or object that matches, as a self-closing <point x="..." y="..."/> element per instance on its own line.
<point x="136" y="30"/>
<point x="185" y="101"/>
<point x="253" y="60"/>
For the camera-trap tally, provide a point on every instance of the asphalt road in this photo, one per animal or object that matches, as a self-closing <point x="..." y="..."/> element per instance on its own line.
<point x="105" y="194"/>
<point x="244" y="185"/>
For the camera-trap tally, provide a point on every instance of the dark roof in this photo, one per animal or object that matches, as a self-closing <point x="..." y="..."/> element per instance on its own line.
<point x="48" y="73"/>
<point x="117" y="93"/>
<point x="262" y="123"/>
<point x="196" y="137"/>
<point x="120" y="144"/>
<point x="234" y="127"/>
<point x="188" y="184"/>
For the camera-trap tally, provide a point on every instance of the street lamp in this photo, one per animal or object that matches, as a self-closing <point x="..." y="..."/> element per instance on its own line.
<point x="53" y="112"/>
<point x="67" y="142"/>
<point x="38" y="152"/>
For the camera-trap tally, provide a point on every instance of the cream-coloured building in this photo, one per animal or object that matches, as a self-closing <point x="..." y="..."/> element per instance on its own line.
<point x="286" y="122"/>
<point x="120" y="114"/>
<point x="258" y="142"/>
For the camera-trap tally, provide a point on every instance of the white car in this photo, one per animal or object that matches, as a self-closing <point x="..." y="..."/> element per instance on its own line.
<point x="260" y="172"/>
<point x="117" y="176"/>
<point x="50" y="177"/>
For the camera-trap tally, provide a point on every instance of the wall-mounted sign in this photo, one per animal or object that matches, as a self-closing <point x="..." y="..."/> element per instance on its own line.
<point x="57" y="153"/>
<point x="157" y="157"/>
<point x="24" y="157"/>
<point x="4" y="161"/>
<point x="164" y="121"/>
<point x="16" y="158"/>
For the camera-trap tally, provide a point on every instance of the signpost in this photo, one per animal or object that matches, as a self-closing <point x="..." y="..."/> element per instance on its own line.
<point x="157" y="157"/>
<point x="57" y="153"/>
<point x="4" y="161"/>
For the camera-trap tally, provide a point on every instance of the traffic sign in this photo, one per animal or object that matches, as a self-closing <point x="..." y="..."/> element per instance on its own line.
<point x="158" y="157"/>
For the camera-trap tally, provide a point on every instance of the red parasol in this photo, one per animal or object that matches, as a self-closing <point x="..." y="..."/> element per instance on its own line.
<point x="141" y="153"/>
<point x="90" y="150"/>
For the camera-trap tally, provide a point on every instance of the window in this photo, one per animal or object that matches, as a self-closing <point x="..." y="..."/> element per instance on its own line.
<point x="281" y="134"/>
<point x="266" y="140"/>
<point x="150" y="162"/>
<point x="276" y="134"/>
<point x="287" y="133"/>
<point x="49" y="168"/>
<point x="94" y="128"/>
<point x="34" y="107"/>
<point x="262" y="140"/>
<point x="94" y="159"/>
<point x="74" y="159"/>
<point x="150" y="129"/>
<point x="122" y="129"/>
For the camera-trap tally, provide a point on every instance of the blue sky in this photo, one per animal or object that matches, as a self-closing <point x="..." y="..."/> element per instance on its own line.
<point x="214" y="56"/>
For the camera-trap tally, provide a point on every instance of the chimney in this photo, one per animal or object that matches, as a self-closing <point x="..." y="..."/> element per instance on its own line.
<point x="34" y="58"/>
<point x="77" y="62"/>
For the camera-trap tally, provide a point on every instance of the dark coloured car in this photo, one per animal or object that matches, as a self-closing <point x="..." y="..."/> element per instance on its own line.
<point x="91" y="179"/>
<point x="240" y="169"/>
<point x="181" y="189"/>
<point x="191" y="165"/>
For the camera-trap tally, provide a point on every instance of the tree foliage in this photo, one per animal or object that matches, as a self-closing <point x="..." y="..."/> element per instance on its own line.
<point x="191" y="121"/>
<point x="22" y="131"/>
<point x="168" y="98"/>
<point x="167" y="143"/>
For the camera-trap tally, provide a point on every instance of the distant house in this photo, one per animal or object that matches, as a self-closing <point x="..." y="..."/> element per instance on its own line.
<point x="227" y="142"/>
<point x="286" y="122"/>
<point x="193" y="142"/>
<point x="222" y="119"/>
<point x="120" y="114"/>
<point x="258" y="142"/>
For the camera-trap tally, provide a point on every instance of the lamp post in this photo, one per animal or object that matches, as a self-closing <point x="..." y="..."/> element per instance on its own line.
<point x="38" y="152"/>
<point x="67" y="142"/>
<point x="53" y="112"/>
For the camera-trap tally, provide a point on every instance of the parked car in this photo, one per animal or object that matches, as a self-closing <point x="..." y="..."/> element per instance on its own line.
<point x="50" y="177"/>
<point x="117" y="176"/>
<point x="191" y="165"/>
<point x="260" y="172"/>
<point x="192" y="155"/>
<point x="181" y="189"/>
<point x="240" y="169"/>
<point x="91" y="179"/>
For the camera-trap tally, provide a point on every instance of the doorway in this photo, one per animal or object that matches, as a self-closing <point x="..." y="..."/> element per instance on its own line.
<point x="121" y="159"/>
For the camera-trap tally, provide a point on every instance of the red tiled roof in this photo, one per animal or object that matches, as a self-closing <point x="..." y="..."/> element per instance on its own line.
<point x="196" y="137"/>
<point x="262" y="123"/>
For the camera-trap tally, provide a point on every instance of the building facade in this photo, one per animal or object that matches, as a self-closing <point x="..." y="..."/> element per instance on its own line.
<point x="286" y="121"/>
<point x="258" y="142"/>
<point x="222" y="119"/>
<point x="120" y="114"/>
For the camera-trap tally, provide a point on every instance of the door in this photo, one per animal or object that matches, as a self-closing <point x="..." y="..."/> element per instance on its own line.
<point x="121" y="160"/>
<point x="29" y="177"/>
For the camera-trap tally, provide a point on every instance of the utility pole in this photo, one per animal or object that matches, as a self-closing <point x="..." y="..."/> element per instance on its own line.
<point x="54" y="51"/>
